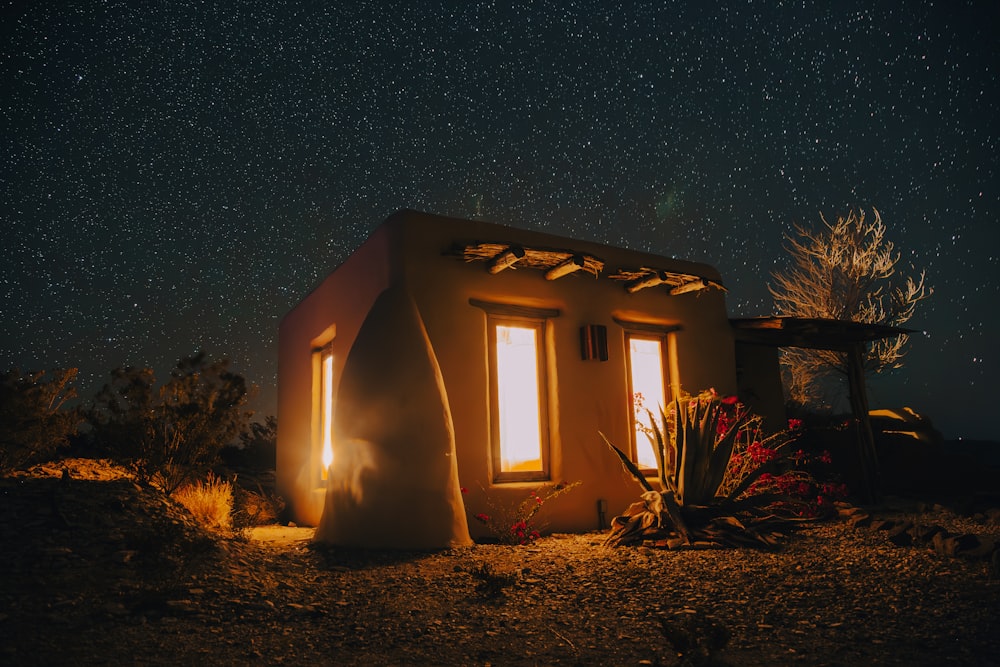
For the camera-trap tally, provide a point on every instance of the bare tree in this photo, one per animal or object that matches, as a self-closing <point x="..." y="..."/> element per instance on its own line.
<point x="843" y="271"/>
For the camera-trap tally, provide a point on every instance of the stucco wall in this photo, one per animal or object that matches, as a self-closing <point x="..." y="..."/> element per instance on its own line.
<point x="333" y="312"/>
<point x="584" y="397"/>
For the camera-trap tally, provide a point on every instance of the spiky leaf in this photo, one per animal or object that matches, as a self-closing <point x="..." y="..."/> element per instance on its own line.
<point x="629" y="465"/>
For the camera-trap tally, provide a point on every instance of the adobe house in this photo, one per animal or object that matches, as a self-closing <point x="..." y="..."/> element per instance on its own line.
<point x="447" y="353"/>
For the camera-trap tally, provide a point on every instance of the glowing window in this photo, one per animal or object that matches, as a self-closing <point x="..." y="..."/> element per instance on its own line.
<point x="326" y="412"/>
<point x="647" y="371"/>
<point x="518" y="399"/>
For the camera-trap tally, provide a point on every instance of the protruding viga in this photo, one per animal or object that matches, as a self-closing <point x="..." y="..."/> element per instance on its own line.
<point x="394" y="479"/>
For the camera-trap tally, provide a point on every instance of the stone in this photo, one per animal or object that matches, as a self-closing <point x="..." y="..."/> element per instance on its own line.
<point x="945" y="544"/>
<point x="924" y="534"/>
<point x="975" y="547"/>
<point x="901" y="534"/>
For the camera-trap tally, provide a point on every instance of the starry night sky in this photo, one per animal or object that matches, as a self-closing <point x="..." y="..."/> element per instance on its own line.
<point x="176" y="176"/>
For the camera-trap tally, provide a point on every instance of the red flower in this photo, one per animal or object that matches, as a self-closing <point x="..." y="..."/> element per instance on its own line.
<point x="794" y="424"/>
<point x="464" y="490"/>
<point x="730" y="400"/>
<point x="485" y="518"/>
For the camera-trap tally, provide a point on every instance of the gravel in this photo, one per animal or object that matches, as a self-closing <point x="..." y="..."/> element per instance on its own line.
<point x="97" y="570"/>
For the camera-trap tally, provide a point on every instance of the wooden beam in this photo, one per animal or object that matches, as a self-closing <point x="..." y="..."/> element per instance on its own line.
<point x="507" y="258"/>
<point x="648" y="280"/>
<point x="690" y="286"/>
<point x="566" y="267"/>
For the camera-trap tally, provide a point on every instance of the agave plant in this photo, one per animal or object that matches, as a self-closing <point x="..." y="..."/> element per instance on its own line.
<point x="690" y="506"/>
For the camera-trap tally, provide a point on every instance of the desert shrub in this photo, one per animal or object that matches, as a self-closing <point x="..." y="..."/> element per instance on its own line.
<point x="704" y="494"/>
<point x="34" y="419"/>
<point x="210" y="502"/>
<point x="801" y="488"/>
<point x="518" y="524"/>
<point x="257" y="447"/>
<point x="170" y="435"/>
<point x="254" y="508"/>
<point x="695" y="637"/>
<point x="491" y="583"/>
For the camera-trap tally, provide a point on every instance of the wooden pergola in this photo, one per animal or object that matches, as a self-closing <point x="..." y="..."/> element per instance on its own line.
<point x="837" y="335"/>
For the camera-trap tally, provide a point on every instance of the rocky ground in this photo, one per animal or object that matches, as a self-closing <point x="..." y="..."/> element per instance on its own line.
<point x="95" y="569"/>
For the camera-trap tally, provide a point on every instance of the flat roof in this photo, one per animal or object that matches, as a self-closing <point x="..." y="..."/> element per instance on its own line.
<point x="810" y="332"/>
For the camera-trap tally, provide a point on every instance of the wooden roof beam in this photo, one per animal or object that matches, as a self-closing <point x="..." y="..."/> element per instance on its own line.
<point x="690" y="286"/>
<point x="566" y="267"/>
<point x="506" y="259"/>
<point x="649" y="280"/>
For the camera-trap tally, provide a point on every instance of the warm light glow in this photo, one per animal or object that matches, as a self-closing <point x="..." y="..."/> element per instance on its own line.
<point x="327" y="412"/>
<point x="646" y="365"/>
<point x="518" y="398"/>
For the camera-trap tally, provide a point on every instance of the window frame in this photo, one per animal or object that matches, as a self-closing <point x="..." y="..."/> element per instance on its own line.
<point x="650" y="332"/>
<point x="323" y="415"/>
<point x="500" y="314"/>
<point x="538" y="325"/>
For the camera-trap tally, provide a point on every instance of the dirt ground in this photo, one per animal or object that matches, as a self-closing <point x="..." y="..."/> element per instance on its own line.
<point x="103" y="571"/>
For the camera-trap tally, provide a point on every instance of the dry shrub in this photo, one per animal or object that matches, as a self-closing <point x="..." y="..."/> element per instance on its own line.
<point x="255" y="508"/>
<point x="210" y="502"/>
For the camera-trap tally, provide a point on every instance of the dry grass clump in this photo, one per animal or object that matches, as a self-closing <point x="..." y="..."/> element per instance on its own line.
<point x="253" y="508"/>
<point x="210" y="502"/>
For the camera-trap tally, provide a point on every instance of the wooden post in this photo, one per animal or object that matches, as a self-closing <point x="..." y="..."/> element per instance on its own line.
<point x="872" y="491"/>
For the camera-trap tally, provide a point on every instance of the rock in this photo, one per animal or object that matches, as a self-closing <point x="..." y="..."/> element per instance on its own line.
<point x="902" y="534"/>
<point x="924" y="534"/>
<point x="944" y="544"/>
<point x="855" y="516"/>
<point x="975" y="547"/>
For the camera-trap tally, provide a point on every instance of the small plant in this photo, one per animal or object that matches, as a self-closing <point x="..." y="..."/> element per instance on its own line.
<point x="802" y="493"/>
<point x="490" y="583"/>
<point x="703" y="497"/>
<point x="254" y="508"/>
<point x="517" y="525"/>
<point x="695" y="638"/>
<point x="209" y="502"/>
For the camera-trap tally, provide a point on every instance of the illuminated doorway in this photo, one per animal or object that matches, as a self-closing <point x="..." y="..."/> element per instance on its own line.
<point x="647" y="370"/>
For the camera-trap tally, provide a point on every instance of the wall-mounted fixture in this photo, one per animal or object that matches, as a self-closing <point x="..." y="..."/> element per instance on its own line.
<point x="594" y="342"/>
